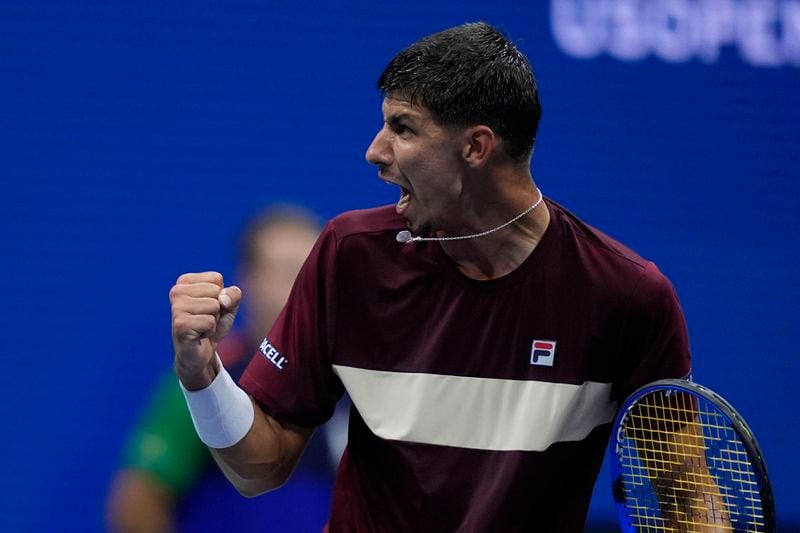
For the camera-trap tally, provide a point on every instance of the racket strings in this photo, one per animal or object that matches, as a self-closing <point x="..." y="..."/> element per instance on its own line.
<point x="685" y="468"/>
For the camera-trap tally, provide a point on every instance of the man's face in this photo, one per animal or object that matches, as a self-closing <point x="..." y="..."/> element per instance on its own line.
<point x="280" y="252"/>
<point x="424" y="159"/>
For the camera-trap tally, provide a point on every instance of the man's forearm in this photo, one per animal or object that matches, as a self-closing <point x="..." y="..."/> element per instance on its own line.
<point x="265" y="457"/>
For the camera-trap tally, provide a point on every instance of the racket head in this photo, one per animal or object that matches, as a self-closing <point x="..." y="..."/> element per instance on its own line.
<point x="651" y="416"/>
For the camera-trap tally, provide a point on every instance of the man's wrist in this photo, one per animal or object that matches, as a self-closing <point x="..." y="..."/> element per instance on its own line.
<point x="195" y="381"/>
<point x="222" y="412"/>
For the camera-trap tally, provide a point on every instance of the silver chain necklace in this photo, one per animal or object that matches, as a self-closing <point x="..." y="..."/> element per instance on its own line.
<point x="405" y="235"/>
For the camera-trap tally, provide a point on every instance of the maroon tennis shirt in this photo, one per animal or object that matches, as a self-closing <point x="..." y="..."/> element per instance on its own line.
<point x="477" y="405"/>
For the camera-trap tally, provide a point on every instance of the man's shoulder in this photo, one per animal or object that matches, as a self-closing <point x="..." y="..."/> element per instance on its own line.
<point x="366" y="221"/>
<point x="608" y="259"/>
<point x="596" y="244"/>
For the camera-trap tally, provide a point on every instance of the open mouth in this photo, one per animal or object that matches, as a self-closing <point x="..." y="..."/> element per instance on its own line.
<point x="402" y="203"/>
<point x="405" y="197"/>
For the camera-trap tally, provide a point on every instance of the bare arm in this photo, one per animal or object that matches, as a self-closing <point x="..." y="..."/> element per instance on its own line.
<point x="265" y="458"/>
<point x="203" y="310"/>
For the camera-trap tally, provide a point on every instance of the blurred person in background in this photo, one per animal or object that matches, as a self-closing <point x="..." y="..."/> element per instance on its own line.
<point x="168" y="479"/>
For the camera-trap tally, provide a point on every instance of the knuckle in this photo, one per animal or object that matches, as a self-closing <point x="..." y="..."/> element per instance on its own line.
<point x="208" y="323"/>
<point x="174" y="292"/>
<point x="184" y="278"/>
<point x="179" y="323"/>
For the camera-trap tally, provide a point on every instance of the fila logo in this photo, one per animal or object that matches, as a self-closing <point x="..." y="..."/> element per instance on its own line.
<point x="543" y="353"/>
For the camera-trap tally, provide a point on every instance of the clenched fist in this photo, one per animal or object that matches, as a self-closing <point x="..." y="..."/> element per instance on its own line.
<point x="203" y="310"/>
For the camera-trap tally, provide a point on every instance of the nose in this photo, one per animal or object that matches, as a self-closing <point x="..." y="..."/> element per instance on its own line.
<point x="379" y="151"/>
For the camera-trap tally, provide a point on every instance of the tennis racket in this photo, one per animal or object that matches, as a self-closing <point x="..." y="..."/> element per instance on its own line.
<point x="683" y="460"/>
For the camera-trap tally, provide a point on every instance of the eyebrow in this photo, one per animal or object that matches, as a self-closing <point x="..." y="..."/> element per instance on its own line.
<point x="402" y="115"/>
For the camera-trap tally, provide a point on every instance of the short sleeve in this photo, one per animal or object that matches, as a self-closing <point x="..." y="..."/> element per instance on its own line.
<point x="655" y="342"/>
<point x="290" y="374"/>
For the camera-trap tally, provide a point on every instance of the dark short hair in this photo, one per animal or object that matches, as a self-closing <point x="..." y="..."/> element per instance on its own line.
<point x="469" y="75"/>
<point x="271" y="217"/>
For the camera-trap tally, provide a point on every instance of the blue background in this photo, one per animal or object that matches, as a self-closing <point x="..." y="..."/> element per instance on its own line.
<point x="135" y="138"/>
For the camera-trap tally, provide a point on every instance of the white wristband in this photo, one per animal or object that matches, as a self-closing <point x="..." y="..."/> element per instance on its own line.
<point x="222" y="412"/>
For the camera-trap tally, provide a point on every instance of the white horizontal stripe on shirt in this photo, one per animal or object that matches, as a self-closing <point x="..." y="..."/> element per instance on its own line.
<point x="476" y="413"/>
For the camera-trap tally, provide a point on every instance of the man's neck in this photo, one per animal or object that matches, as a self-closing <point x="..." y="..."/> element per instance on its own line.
<point x="500" y="253"/>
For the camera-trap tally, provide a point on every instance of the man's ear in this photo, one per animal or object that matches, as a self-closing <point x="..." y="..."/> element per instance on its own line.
<point x="479" y="144"/>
